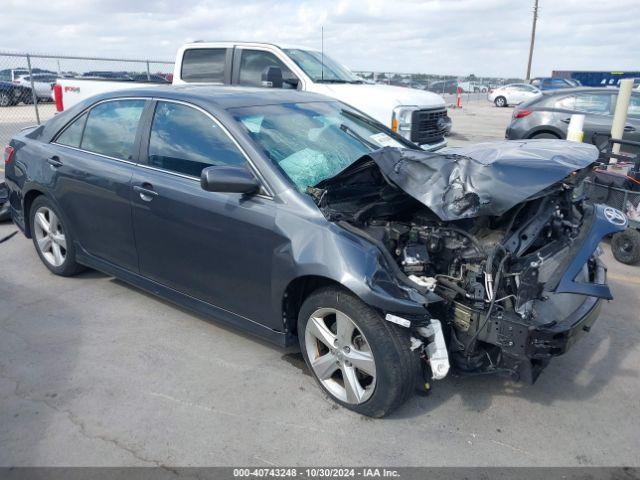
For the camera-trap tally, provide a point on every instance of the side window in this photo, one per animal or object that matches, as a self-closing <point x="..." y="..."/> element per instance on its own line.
<point x="599" y="104"/>
<point x="566" y="103"/>
<point x="254" y="62"/>
<point x="185" y="140"/>
<point x="204" y="65"/>
<point x="634" y="106"/>
<point x="558" y="83"/>
<point x="111" y="128"/>
<point x="72" y="134"/>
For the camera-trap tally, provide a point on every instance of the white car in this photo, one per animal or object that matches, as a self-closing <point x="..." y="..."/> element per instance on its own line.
<point x="42" y="83"/>
<point x="512" y="94"/>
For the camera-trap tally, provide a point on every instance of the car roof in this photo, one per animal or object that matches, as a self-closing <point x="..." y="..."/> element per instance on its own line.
<point x="222" y="96"/>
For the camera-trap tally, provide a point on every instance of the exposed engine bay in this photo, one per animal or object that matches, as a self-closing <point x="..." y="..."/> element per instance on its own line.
<point x="509" y="259"/>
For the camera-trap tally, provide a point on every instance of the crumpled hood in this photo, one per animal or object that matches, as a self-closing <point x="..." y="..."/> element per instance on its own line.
<point x="483" y="179"/>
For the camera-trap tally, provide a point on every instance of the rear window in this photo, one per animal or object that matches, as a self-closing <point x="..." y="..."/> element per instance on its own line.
<point x="204" y="65"/>
<point x="72" y="135"/>
<point x="588" y="103"/>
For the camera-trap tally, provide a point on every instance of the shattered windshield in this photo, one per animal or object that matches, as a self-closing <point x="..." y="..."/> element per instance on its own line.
<point x="321" y="68"/>
<point x="313" y="141"/>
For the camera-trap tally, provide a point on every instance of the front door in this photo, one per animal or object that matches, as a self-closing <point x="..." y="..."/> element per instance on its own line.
<point x="216" y="247"/>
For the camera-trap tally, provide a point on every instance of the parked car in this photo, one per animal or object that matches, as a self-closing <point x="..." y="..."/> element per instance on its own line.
<point x="417" y="115"/>
<point x="512" y="94"/>
<point x="548" y="115"/>
<point x="473" y="87"/>
<point x="553" y="83"/>
<point x="42" y="83"/>
<point x="12" y="94"/>
<point x="300" y="219"/>
<point x="14" y="74"/>
<point x="443" y="86"/>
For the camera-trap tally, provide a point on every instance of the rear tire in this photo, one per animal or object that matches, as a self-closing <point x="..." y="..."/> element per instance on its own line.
<point x="52" y="239"/>
<point x="5" y="99"/>
<point x="626" y="246"/>
<point x="500" y="102"/>
<point x="389" y="370"/>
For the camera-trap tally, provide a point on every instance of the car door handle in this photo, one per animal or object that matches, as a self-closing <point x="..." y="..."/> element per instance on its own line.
<point x="55" y="162"/>
<point x="146" y="194"/>
<point x="629" y="128"/>
<point x="566" y="120"/>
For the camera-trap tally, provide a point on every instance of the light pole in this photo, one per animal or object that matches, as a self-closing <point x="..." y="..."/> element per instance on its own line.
<point x="533" y="38"/>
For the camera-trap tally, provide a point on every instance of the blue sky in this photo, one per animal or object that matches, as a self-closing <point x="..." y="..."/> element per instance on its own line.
<point x="484" y="37"/>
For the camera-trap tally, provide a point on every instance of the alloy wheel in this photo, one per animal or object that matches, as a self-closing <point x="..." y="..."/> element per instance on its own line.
<point x="50" y="236"/>
<point x="340" y="356"/>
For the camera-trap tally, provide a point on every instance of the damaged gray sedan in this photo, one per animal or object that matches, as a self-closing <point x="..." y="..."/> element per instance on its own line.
<point x="302" y="220"/>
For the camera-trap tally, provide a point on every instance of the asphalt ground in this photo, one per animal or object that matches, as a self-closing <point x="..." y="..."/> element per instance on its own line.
<point x="96" y="372"/>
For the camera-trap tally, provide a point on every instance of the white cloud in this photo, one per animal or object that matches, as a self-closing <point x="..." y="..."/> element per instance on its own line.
<point x="485" y="37"/>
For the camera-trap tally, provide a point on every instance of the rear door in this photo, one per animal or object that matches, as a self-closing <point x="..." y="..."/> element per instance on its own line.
<point x="595" y="106"/>
<point x="92" y="159"/>
<point x="518" y="94"/>
<point x="216" y="247"/>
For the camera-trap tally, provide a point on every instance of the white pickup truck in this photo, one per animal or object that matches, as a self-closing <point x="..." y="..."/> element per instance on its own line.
<point x="418" y="115"/>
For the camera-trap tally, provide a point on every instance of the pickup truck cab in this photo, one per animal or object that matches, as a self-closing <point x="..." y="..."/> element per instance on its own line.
<point x="417" y="115"/>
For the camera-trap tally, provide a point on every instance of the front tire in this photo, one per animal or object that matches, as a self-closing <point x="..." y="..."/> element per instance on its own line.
<point x="52" y="238"/>
<point x="500" y="102"/>
<point x="359" y="360"/>
<point x="626" y="246"/>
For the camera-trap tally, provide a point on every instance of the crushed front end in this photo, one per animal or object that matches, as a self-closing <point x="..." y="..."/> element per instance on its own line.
<point x="516" y="272"/>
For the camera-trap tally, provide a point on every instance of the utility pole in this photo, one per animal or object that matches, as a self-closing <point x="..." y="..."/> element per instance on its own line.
<point x="533" y="38"/>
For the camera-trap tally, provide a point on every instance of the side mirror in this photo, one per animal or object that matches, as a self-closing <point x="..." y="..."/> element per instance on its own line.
<point x="272" y="77"/>
<point x="221" y="178"/>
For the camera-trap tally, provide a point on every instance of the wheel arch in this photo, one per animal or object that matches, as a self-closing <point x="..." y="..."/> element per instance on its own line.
<point x="28" y="200"/>
<point x="297" y="291"/>
<point x="545" y="129"/>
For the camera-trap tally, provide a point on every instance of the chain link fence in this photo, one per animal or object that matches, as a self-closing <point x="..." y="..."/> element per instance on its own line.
<point x="26" y="83"/>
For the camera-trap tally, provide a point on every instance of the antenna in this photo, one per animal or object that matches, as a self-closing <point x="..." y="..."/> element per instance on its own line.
<point x="322" y="52"/>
